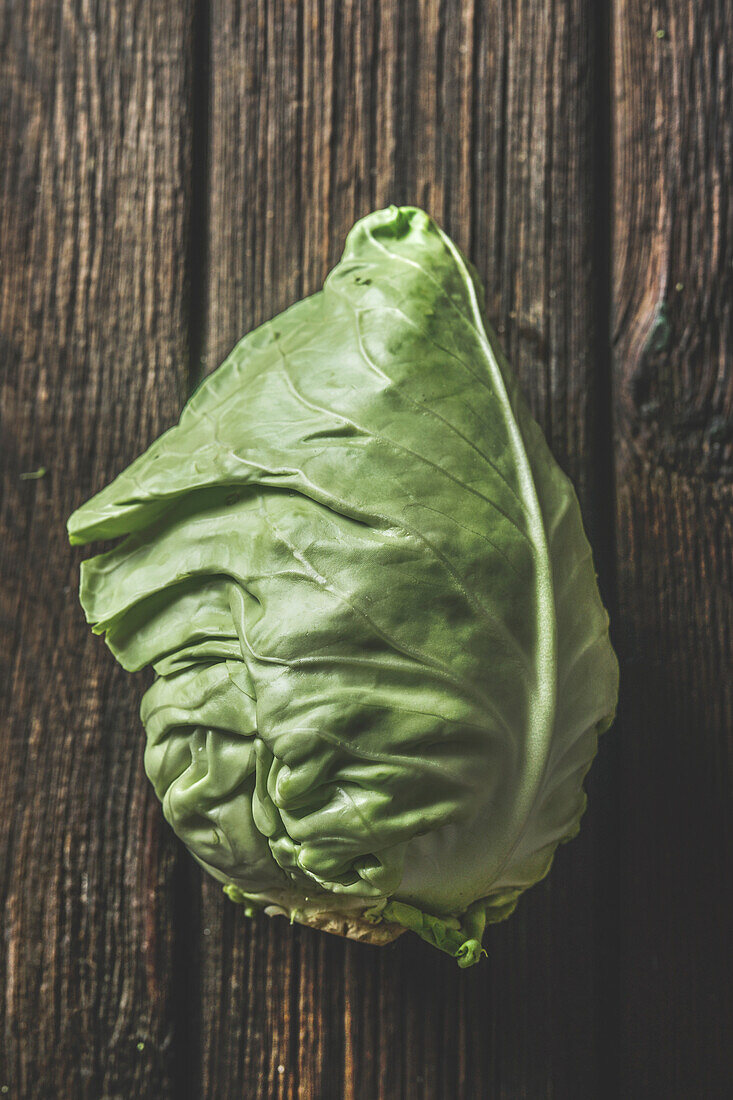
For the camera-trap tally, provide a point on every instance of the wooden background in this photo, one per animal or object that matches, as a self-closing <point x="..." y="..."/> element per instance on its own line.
<point x="173" y="173"/>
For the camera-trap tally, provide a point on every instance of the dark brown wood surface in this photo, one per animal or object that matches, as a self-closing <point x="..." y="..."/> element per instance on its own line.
<point x="673" y="384"/>
<point x="94" y="213"/>
<point x="175" y="173"/>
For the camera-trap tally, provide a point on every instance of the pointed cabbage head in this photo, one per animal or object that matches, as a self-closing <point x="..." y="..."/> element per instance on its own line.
<point x="381" y="660"/>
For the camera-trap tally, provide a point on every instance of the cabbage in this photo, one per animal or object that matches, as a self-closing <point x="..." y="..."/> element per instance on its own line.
<point x="382" y="663"/>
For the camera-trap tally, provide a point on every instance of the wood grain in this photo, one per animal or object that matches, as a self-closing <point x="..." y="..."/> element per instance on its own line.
<point x="673" y="287"/>
<point x="174" y="174"/>
<point x="484" y="114"/>
<point x="94" y="209"/>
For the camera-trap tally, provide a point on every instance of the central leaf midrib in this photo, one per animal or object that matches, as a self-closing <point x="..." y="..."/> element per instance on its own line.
<point x="542" y="709"/>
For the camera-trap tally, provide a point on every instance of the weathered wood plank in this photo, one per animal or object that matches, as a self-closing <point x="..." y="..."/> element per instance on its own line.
<point x="674" y="411"/>
<point x="484" y="113"/>
<point x="93" y="321"/>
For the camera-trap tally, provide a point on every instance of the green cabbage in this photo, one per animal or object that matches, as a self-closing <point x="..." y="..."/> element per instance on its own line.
<point x="382" y="663"/>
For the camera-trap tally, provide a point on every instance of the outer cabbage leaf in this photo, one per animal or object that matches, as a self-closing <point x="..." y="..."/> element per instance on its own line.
<point x="382" y="663"/>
